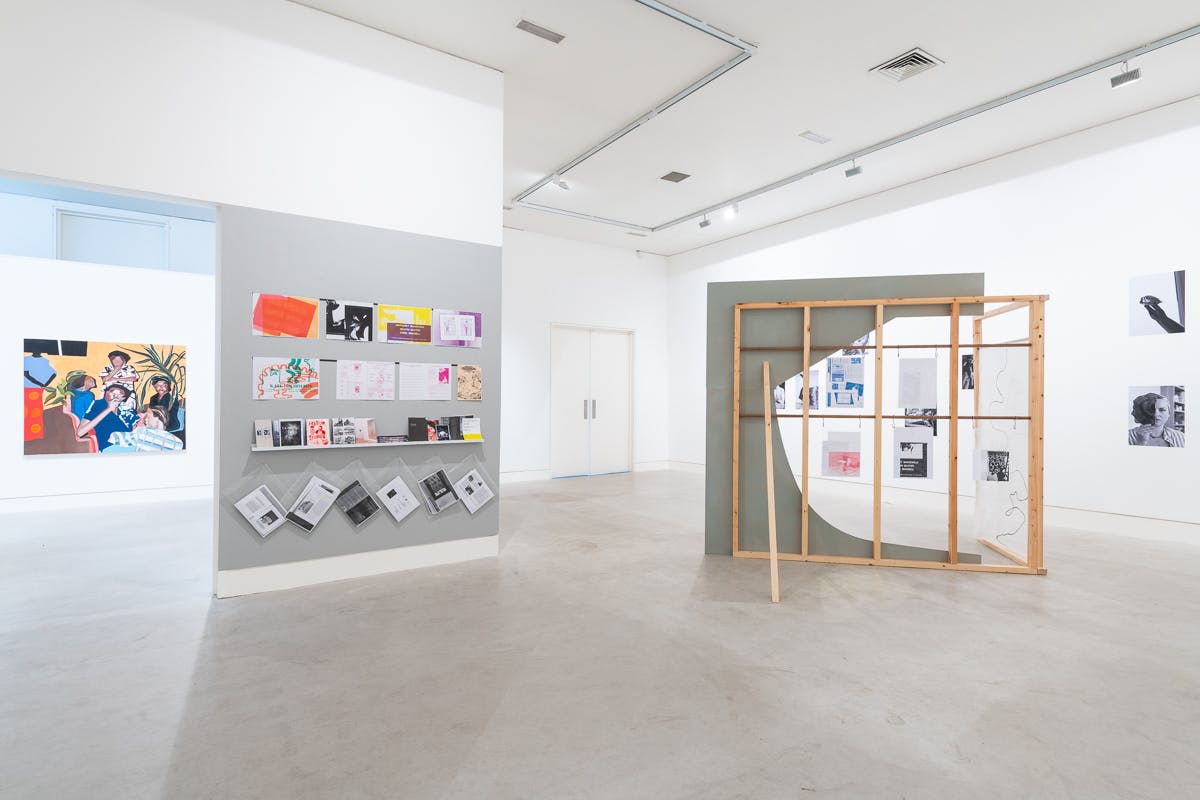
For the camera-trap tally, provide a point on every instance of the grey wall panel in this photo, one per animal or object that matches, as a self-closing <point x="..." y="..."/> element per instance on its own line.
<point x="767" y="328"/>
<point x="283" y="254"/>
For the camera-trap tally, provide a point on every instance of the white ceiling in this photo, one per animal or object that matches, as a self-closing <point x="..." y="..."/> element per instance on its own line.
<point x="810" y="71"/>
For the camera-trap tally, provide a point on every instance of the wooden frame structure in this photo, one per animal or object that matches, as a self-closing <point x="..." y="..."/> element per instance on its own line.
<point x="1035" y="342"/>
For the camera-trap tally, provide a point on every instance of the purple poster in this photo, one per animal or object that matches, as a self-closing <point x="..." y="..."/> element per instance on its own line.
<point x="457" y="328"/>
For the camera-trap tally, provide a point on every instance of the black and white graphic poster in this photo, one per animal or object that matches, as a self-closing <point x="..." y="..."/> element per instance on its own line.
<point x="1156" y="304"/>
<point x="912" y="453"/>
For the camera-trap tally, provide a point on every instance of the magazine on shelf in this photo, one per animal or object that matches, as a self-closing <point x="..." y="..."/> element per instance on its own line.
<point x="342" y="430"/>
<point x="312" y="503"/>
<point x="416" y="429"/>
<point x="437" y="492"/>
<point x="471" y="429"/>
<point x="357" y="503"/>
<point x="398" y="499"/>
<point x="263" y="433"/>
<point x="391" y="438"/>
<point x="262" y="510"/>
<point x="442" y="429"/>
<point x="364" y="430"/>
<point x="472" y="490"/>
<point x="288" y="432"/>
<point x="316" y="432"/>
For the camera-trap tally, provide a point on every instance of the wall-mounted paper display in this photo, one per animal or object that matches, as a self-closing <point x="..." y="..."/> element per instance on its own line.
<point x="312" y="503"/>
<point x="473" y="492"/>
<point x="103" y="397"/>
<point x="288" y="432"/>
<point x="263" y="434"/>
<point x="404" y="324"/>
<point x="917" y="382"/>
<point x="364" y="430"/>
<point x="285" y="378"/>
<point x="814" y="393"/>
<point x="991" y="465"/>
<point x="316" y="432"/>
<point x="262" y="511"/>
<point x="1156" y="416"/>
<point x="921" y="418"/>
<point x="912" y="448"/>
<point x="779" y="393"/>
<point x="341" y="430"/>
<point x="470" y="382"/>
<point x="423" y="381"/>
<point x="397" y="498"/>
<point x="357" y="503"/>
<point x="472" y="429"/>
<point x="1156" y="304"/>
<point x="436" y="491"/>
<point x="968" y="371"/>
<point x="841" y="454"/>
<point x="845" y="382"/>
<point x="284" y="315"/>
<point x="457" y="328"/>
<point x="366" y="380"/>
<point x="351" y="320"/>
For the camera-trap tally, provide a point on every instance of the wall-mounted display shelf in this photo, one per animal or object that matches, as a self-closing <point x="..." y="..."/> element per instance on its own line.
<point x="254" y="449"/>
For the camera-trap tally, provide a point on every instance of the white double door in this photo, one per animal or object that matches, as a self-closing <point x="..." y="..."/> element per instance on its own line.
<point x="590" y="394"/>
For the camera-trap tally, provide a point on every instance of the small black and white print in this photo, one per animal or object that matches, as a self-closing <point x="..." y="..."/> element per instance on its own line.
<point x="968" y="371"/>
<point x="997" y="465"/>
<point x="921" y="423"/>
<point x="1156" y="304"/>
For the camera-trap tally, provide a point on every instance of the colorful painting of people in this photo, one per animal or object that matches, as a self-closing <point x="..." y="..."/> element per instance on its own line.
<point x="103" y="397"/>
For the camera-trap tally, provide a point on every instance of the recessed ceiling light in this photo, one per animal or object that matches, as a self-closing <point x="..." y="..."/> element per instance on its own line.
<point x="813" y="136"/>
<point x="675" y="177"/>
<point x="539" y="31"/>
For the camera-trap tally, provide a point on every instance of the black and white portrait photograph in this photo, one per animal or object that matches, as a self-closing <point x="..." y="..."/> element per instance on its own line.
<point x="1156" y="416"/>
<point x="991" y="465"/>
<point x="1156" y="304"/>
<point x="291" y="432"/>
<point x="968" y="371"/>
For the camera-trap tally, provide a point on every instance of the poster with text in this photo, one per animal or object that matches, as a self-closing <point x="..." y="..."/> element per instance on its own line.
<point x="457" y="328"/>
<point x="845" y="382"/>
<point x="404" y="324"/>
<point x="912" y="457"/>
<point x="275" y="378"/>
<point x="103" y="397"/>
<point x="366" y="380"/>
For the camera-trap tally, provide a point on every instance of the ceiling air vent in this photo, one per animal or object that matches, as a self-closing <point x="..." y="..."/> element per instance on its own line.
<point x="675" y="177"/>
<point x="539" y="31"/>
<point x="903" y="67"/>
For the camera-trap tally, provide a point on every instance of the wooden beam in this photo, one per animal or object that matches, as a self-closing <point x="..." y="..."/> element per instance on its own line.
<point x="892" y="416"/>
<point x="804" y="465"/>
<point x="1037" y="355"/>
<point x="877" y="519"/>
<point x="833" y="347"/>
<point x="769" y="444"/>
<point x="897" y="562"/>
<point x="1004" y="551"/>
<point x="737" y="407"/>
<point x="952" y="438"/>
<point x="1005" y="309"/>
<point x="896" y="301"/>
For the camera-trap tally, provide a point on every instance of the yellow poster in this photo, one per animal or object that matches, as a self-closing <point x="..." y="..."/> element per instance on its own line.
<point x="404" y="324"/>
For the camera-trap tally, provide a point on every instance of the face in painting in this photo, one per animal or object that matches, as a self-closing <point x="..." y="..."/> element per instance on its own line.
<point x="89" y="383"/>
<point x="117" y="362"/>
<point x="115" y="394"/>
<point x="161" y="388"/>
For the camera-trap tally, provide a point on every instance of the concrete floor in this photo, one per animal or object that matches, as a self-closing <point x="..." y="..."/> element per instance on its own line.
<point x="601" y="656"/>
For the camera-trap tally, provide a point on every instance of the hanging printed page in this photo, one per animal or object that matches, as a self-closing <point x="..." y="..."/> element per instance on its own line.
<point x="423" y="381"/>
<point x="351" y="320"/>
<point x="285" y="378"/>
<point x="404" y="324"/>
<point x="457" y="328"/>
<point x="845" y="382"/>
<point x="366" y="380"/>
<point x="284" y="315"/>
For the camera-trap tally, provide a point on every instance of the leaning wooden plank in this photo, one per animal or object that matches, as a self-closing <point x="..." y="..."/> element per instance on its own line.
<point x="768" y="404"/>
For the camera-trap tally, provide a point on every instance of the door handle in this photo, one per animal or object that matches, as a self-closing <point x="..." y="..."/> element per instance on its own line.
<point x="593" y="409"/>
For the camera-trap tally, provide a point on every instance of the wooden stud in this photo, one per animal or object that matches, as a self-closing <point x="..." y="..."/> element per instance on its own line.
<point x="897" y="562"/>
<point x="877" y="520"/>
<point x="896" y="301"/>
<point x="1037" y="353"/>
<point x="737" y="407"/>
<point x="833" y="347"/>
<point x="952" y="439"/>
<point x="804" y="458"/>
<point x="767" y="429"/>
<point x="1019" y="418"/>
<point x="1004" y="551"/>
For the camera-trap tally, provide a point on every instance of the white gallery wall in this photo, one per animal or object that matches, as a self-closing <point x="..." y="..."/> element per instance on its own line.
<point x="549" y="280"/>
<point x="97" y="302"/>
<point x="259" y="103"/>
<point x="1071" y="219"/>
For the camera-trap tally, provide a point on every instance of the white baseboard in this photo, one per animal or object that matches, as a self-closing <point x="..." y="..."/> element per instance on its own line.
<point x="57" y="502"/>
<point x="521" y="476"/>
<point x="235" y="582"/>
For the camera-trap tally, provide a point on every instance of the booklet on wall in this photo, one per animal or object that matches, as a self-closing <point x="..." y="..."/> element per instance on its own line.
<point x="397" y="498"/>
<point x="313" y="502"/>
<point x="262" y="510"/>
<point x="342" y="430"/>
<point x="364" y="430"/>
<point x="316" y="432"/>
<point x="357" y="503"/>
<point x="471" y="429"/>
<point x="437" y="492"/>
<point x="288" y="432"/>
<point x="472" y="490"/>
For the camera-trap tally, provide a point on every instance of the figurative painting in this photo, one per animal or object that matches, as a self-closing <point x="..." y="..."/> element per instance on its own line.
<point x="284" y="315"/>
<point x="103" y="397"/>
